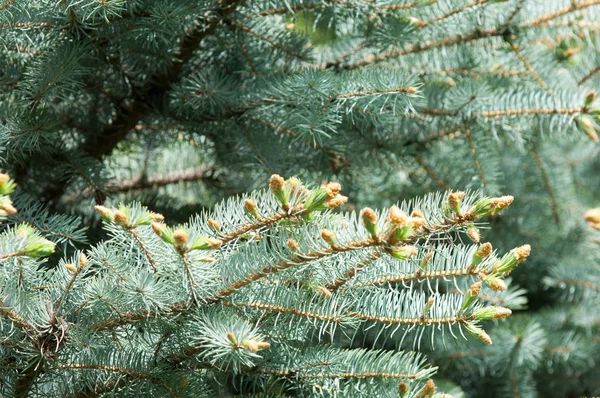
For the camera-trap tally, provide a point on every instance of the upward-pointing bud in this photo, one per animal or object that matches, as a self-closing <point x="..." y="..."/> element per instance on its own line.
<point x="454" y="201"/>
<point x="120" y="218"/>
<point x="277" y="185"/>
<point x="369" y="220"/>
<point x="489" y="206"/>
<point x="482" y="252"/>
<point x="513" y="258"/>
<point x="589" y="98"/>
<point x="250" y="207"/>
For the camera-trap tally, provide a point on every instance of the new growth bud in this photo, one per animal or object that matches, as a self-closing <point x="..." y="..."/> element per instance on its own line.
<point x="328" y="236"/>
<point x="180" y="237"/>
<point x="369" y="219"/>
<point x="232" y="338"/>
<point x="489" y="206"/>
<point x="158" y="228"/>
<point x="589" y="98"/>
<point x="293" y="245"/>
<point x="478" y="332"/>
<point x="214" y="225"/>
<point x="277" y="185"/>
<point x="454" y="201"/>
<point x="482" y="252"/>
<point x="592" y="216"/>
<point x="474" y="234"/>
<point x="428" y="390"/>
<point x="471" y="294"/>
<point x="402" y="252"/>
<point x="513" y="258"/>
<point x="254" y="346"/>
<point x="73" y="269"/>
<point x="491" y="313"/>
<point x="250" y="207"/>
<point x="104" y="212"/>
<point x="323" y="292"/>
<point x="402" y="389"/>
<point x="400" y="226"/>
<point x="82" y="260"/>
<point x="120" y="218"/>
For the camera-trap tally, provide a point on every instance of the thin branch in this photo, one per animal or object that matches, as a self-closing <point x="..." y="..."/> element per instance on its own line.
<point x="353" y="271"/>
<point x="575" y="6"/>
<point x="474" y="153"/>
<point x="547" y="183"/>
<point x="265" y="39"/>
<point x="528" y="66"/>
<point x="589" y="76"/>
<point x="432" y="174"/>
<point x="453" y="12"/>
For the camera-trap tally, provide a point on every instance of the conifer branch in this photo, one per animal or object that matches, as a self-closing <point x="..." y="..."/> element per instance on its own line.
<point x="432" y="174"/>
<point x="14" y="317"/>
<point x="449" y="14"/>
<point x="474" y="153"/>
<point x="528" y="66"/>
<point x="284" y="310"/>
<point x="353" y="271"/>
<point x="265" y="39"/>
<point x="588" y="76"/>
<point x="547" y="184"/>
<point x="575" y="6"/>
<point x="199" y="173"/>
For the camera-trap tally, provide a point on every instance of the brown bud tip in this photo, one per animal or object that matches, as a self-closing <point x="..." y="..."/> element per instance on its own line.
<point x="416" y="222"/>
<point x="250" y="206"/>
<point x="71" y="267"/>
<point x="293" y="245"/>
<point x="475" y="289"/>
<point x="328" y="236"/>
<point x="104" y="211"/>
<point x="251" y="345"/>
<point x="82" y="260"/>
<point x="454" y="199"/>
<point x="522" y="252"/>
<point x="181" y="237"/>
<point x="336" y="202"/>
<point x="428" y="389"/>
<point x="397" y="217"/>
<point x="484" y="337"/>
<point x="323" y="292"/>
<point x="484" y="250"/>
<point x="332" y="189"/>
<point x="501" y="203"/>
<point x="502" y="312"/>
<point x="276" y="183"/>
<point x="120" y="218"/>
<point x="417" y="213"/>
<point x="158" y="228"/>
<point x="290" y="26"/>
<point x="231" y="338"/>
<point x="498" y="285"/>
<point x="474" y="234"/>
<point x="214" y="224"/>
<point x="403" y="388"/>
<point x="214" y="243"/>
<point x="293" y="183"/>
<point x="8" y="208"/>
<point x="263" y="345"/>
<point x="157" y="216"/>
<point x="411" y="90"/>
<point x="368" y="216"/>
<point x="590" y="97"/>
<point x="592" y="216"/>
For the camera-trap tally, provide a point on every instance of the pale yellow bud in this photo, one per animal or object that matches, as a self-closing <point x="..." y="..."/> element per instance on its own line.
<point x="82" y="260"/>
<point x="276" y="183"/>
<point x="498" y="285"/>
<point x="501" y="203"/>
<point x="213" y="243"/>
<point x="522" y="252"/>
<point x="474" y="234"/>
<point x="104" y="211"/>
<point x="484" y="337"/>
<point x="231" y="338"/>
<point x="158" y="228"/>
<point x="328" y="236"/>
<point x="485" y="250"/>
<point x="332" y="189"/>
<point x="157" y="216"/>
<point x="251" y="345"/>
<point x="293" y="245"/>
<point x="181" y="237"/>
<point x="250" y="206"/>
<point x="8" y="208"/>
<point x="214" y="224"/>
<point x="475" y="289"/>
<point x="263" y="345"/>
<point x="336" y="202"/>
<point x="592" y="216"/>
<point x="323" y="292"/>
<point x="71" y="267"/>
<point x="120" y="218"/>
<point x="397" y="217"/>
